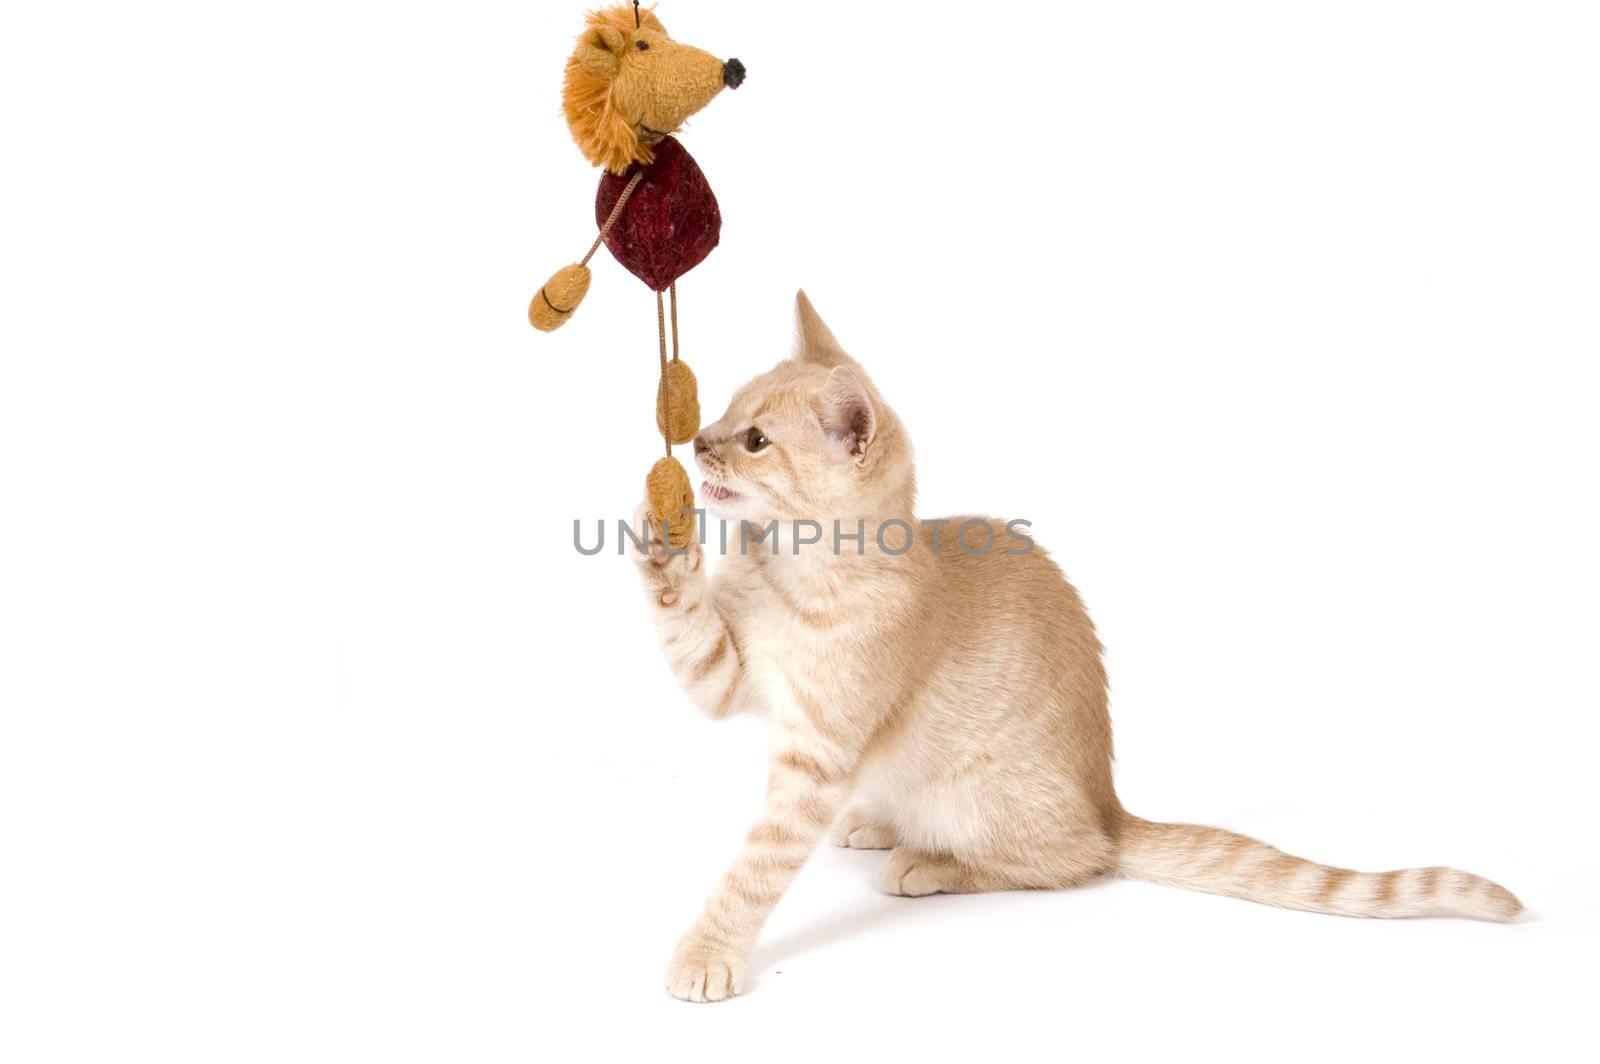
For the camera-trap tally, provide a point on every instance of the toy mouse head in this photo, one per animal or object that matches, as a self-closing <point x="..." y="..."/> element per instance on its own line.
<point x="628" y="85"/>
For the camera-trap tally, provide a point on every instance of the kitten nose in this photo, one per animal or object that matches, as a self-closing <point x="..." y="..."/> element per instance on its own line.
<point x="700" y="446"/>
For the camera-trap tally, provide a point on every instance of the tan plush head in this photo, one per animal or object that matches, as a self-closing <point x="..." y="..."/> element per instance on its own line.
<point x="811" y="438"/>
<point x="628" y="86"/>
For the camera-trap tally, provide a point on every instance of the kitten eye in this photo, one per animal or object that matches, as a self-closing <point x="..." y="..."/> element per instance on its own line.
<point x="643" y="46"/>
<point x="754" y="440"/>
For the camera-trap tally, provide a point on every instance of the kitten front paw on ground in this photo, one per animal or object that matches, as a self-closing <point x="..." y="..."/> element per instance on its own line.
<point x="856" y="832"/>
<point x="703" y="971"/>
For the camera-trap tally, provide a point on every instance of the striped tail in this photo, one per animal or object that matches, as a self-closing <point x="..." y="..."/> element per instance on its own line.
<point x="1220" y="862"/>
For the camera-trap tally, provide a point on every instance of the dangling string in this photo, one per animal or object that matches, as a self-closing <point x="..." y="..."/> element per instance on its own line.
<point x="611" y="219"/>
<point x="673" y="290"/>
<point x="661" y="389"/>
<point x="661" y="314"/>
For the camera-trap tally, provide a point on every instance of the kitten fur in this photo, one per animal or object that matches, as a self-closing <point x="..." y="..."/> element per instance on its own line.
<point x="948" y="707"/>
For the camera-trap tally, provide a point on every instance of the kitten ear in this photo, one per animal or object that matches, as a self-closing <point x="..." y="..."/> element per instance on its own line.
<point x="847" y="417"/>
<point x="813" y="342"/>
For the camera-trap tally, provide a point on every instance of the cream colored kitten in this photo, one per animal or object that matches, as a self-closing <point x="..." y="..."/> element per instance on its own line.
<point x="946" y="706"/>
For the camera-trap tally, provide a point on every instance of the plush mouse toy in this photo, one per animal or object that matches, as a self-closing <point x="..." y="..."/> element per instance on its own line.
<point x="628" y="88"/>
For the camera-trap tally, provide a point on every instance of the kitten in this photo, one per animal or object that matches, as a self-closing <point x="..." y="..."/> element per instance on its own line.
<point x="946" y="705"/>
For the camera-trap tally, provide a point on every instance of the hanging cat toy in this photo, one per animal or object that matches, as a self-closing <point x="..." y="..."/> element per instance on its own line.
<point x="628" y="88"/>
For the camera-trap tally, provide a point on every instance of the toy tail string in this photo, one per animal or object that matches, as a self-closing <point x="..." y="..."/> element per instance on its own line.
<point x="611" y="219"/>
<point x="661" y="389"/>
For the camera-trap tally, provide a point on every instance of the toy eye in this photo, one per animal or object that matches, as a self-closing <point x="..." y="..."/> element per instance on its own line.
<point x="754" y="440"/>
<point x="643" y="46"/>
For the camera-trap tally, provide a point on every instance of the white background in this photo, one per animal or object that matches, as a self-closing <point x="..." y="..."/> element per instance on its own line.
<point x="322" y="743"/>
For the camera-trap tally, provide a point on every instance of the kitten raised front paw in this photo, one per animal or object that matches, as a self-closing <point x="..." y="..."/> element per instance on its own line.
<point x="664" y="571"/>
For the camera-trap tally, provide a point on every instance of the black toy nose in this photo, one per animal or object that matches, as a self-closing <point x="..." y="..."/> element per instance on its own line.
<point x="700" y="446"/>
<point x="733" y="73"/>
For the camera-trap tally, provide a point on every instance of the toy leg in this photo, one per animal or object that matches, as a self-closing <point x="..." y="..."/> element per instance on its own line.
<point x="672" y="292"/>
<point x="661" y="387"/>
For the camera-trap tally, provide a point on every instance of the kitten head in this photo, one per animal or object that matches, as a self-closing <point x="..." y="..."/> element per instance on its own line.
<point x="809" y="439"/>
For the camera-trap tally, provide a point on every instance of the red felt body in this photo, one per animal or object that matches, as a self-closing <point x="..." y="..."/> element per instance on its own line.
<point x="670" y="222"/>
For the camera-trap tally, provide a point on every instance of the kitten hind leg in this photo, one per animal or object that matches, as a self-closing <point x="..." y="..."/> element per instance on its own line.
<point x="912" y="873"/>
<point x="857" y="831"/>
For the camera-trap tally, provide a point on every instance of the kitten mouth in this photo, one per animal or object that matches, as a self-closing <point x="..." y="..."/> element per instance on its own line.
<point x="718" y="493"/>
